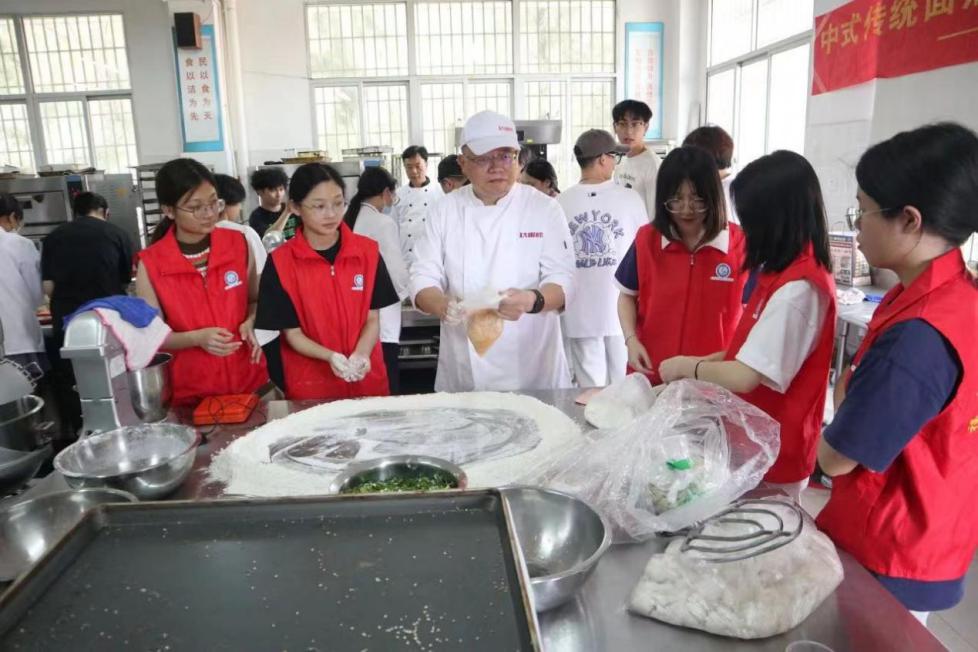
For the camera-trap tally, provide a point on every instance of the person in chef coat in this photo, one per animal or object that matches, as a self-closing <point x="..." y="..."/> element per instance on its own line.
<point x="450" y="176"/>
<point x="415" y="198"/>
<point x="780" y="353"/>
<point x="718" y="142"/>
<point x="902" y="447"/>
<point x="21" y="293"/>
<point x="603" y="219"/>
<point x="369" y="214"/>
<point x="640" y="167"/>
<point x="496" y="236"/>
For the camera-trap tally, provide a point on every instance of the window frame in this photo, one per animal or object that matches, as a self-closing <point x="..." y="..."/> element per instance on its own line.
<point x="754" y="55"/>
<point x="33" y="100"/>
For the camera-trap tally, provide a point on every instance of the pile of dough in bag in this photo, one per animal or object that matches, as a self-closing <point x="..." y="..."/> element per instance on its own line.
<point x="698" y="448"/>
<point x="484" y="324"/>
<point x="751" y="598"/>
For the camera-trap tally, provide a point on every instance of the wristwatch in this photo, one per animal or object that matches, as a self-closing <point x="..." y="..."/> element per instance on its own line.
<point x="537" y="303"/>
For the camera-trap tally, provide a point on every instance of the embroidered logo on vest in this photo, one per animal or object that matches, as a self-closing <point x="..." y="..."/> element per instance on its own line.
<point x="231" y="280"/>
<point x="723" y="273"/>
<point x="358" y="283"/>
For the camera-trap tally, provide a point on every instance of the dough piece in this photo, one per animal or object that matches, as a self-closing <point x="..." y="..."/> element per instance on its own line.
<point x="485" y="327"/>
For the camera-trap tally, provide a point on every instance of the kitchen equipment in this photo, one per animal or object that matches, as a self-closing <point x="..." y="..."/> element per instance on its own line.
<point x="17" y="467"/>
<point x="148" y="461"/>
<point x="30" y="528"/>
<point x="20" y="423"/>
<point x="395" y="466"/>
<point x="562" y="539"/>
<point x="112" y="397"/>
<point x="227" y="408"/>
<point x="766" y="531"/>
<point x="435" y="571"/>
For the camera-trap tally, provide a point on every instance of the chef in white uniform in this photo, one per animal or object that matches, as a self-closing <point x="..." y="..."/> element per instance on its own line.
<point x="496" y="235"/>
<point x="414" y="198"/>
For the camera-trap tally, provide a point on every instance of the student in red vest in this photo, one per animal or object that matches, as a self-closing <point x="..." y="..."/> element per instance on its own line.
<point x="203" y="280"/>
<point x="323" y="290"/>
<point x="781" y="351"/>
<point x="682" y="280"/>
<point x="903" y="447"/>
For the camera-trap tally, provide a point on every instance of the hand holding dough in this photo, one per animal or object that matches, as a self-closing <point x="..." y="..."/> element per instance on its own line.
<point x="485" y="327"/>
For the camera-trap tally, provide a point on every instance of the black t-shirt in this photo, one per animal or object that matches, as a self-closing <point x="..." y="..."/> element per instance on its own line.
<point x="87" y="259"/>
<point x="276" y="311"/>
<point x="261" y="219"/>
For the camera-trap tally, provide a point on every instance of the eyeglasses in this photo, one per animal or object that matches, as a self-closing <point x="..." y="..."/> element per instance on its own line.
<point x="632" y="124"/>
<point x="618" y="156"/>
<point x="201" y="211"/>
<point x="854" y="215"/>
<point x="506" y="159"/>
<point x="336" y="208"/>
<point x="677" y="205"/>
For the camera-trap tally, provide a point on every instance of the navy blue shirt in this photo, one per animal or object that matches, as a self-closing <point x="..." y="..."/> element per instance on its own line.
<point x="627" y="272"/>
<point x="910" y="374"/>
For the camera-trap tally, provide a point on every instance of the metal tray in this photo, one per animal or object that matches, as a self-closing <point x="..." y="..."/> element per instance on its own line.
<point x="405" y="572"/>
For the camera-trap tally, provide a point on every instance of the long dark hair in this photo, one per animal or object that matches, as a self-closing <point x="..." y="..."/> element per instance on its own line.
<point x="932" y="168"/>
<point x="10" y="206"/>
<point x="308" y="176"/>
<point x="541" y="170"/>
<point x="696" y="165"/>
<point x="779" y="202"/>
<point x="174" y="180"/>
<point x="374" y="181"/>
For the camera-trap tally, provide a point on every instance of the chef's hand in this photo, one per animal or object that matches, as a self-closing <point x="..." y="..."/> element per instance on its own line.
<point x="516" y="303"/>
<point x="359" y="367"/>
<point x="677" y="368"/>
<point x="453" y="314"/>
<point x="340" y="365"/>
<point x="217" y="341"/>
<point x="247" y="332"/>
<point x="638" y="356"/>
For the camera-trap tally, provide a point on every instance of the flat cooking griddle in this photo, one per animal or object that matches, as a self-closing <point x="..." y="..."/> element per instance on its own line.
<point x="410" y="572"/>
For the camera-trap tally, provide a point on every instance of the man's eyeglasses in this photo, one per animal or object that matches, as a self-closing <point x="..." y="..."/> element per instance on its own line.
<point x="618" y="156"/>
<point x="201" y="211"/>
<point x="676" y="205"/>
<point x="505" y="159"/>
<point x="336" y="208"/>
<point x="632" y="124"/>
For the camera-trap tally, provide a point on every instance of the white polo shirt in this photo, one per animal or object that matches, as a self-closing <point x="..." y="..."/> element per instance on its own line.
<point x="20" y="294"/>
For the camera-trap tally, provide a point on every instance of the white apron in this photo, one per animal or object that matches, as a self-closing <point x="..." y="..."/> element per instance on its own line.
<point x="489" y="252"/>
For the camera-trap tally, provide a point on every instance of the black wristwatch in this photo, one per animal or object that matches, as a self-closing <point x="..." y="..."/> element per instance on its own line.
<point x="537" y="303"/>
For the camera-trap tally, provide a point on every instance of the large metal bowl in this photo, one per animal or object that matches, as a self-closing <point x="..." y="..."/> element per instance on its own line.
<point x="392" y="466"/>
<point x="149" y="461"/>
<point x="29" y="528"/>
<point x="17" y="467"/>
<point x="20" y="423"/>
<point x="562" y="539"/>
<point x="150" y="389"/>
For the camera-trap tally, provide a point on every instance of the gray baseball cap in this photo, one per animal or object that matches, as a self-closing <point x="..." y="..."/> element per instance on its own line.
<point x="595" y="142"/>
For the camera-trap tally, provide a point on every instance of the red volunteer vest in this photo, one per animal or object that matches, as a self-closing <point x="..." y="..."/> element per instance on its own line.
<point x="332" y="302"/>
<point x="688" y="303"/>
<point x="800" y="409"/>
<point x="190" y="301"/>
<point x="916" y="520"/>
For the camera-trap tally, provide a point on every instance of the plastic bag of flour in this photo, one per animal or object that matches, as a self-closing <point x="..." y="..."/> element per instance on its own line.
<point x="696" y="449"/>
<point x="621" y="401"/>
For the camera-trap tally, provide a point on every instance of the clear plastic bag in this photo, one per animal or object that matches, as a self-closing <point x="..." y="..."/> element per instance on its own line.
<point x="697" y="448"/>
<point x="483" y="324"/>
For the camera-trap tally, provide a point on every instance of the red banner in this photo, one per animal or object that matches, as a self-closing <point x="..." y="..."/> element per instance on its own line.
<point x="866" y="39"/>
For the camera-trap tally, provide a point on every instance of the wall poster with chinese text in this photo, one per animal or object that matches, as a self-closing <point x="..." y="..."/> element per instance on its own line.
<point x="643" y="70"/>
<point x="200" y="97"/>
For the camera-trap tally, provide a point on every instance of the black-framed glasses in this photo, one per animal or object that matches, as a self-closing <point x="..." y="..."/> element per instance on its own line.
<point x="696" y="204"/>
<point x="618" y="156"/>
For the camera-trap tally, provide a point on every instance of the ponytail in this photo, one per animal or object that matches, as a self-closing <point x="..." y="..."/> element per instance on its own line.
<point x="160" y="230"/>
<point x="374" y="181"/>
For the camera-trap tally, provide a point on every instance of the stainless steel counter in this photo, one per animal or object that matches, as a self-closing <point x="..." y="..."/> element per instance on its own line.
<point x="861" y="615"/>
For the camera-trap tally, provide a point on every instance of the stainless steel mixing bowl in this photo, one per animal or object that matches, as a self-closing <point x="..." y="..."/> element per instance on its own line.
<point x="149" y="461"/>
<point x="562" y="539"/>
<point x="393" y="466"/>
<point x="150" y="389"/>
<point x="17" y="467"/>
<point x="20" y="423"/>
<point x="29" y="528"/>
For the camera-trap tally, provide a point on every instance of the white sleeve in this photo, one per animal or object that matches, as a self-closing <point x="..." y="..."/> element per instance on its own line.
<point x="428" y="267"/>
<point x="650" y="186"/>
<point x="257" y="248"/>
<point x="558" y="262"/>
<point x="785" y="334"/>
<point x="29" y="267"/>
<point x="390" y="249"/>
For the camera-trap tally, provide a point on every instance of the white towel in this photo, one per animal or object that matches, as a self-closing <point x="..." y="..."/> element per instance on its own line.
<point x="140" y="344"/>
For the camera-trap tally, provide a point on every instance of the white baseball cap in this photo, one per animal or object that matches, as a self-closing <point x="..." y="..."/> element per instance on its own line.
<point x="488" y="130"/>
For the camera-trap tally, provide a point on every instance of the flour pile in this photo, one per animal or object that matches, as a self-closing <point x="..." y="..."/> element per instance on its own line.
<point x="621" y="402"/>
<point x="493" y="436"/>
<point x="752" y="598"/>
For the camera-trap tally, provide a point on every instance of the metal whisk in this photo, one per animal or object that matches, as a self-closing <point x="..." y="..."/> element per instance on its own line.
<point x="756" y="540"/>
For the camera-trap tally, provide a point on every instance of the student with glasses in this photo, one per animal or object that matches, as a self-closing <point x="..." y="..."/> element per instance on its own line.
<point x="682" y="280"/>
<point x="640" y="166"/>
<point x="205" y="283"/>
<point x="780" y="353"/>
<point x="323" y="290"/>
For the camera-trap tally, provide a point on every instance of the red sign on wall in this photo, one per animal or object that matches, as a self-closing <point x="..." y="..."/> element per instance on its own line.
<point x="866" y="39"/>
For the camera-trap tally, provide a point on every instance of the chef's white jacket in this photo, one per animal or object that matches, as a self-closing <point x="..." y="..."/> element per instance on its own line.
<point x="382" y="228"/>
<point x="20" y="294"/>
<point x="411" y="213"/>
<point x="522" y="242"/>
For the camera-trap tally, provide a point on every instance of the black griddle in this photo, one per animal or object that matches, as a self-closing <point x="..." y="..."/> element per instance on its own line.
<point x="405" y="572"/>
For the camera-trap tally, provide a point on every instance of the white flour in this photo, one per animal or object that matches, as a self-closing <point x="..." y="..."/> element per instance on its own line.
<point x="245" y="466"/>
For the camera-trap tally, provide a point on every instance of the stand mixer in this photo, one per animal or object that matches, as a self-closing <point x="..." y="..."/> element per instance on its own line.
<point x="111" y="396"/>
